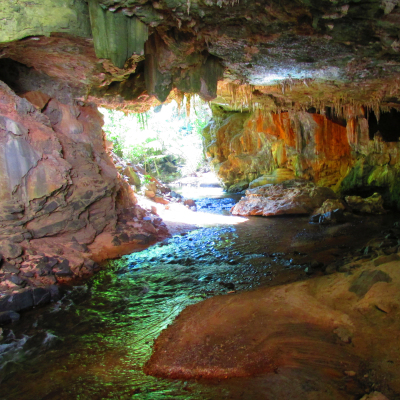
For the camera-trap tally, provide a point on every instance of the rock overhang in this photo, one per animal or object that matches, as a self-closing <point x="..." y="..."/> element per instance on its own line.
<point x="296" y="53"/>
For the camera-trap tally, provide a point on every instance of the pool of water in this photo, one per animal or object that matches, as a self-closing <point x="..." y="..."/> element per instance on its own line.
<point x="93" y="343"/>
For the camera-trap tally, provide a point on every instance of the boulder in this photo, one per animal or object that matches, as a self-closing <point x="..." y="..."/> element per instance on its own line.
<point x="160" y="200"/>
<point x="133" y="178"/>
<point x="331" y="211"/>
<point x="149" y="193"/>
<point x="7" y="316"/>
<point x="370" y="205"/>
<point x="190" y="203"/>
<point x="290" y="197"/>
<point x="10" y="250"/>
<point x="238" y="187"/>
<point x="330" y="205"/>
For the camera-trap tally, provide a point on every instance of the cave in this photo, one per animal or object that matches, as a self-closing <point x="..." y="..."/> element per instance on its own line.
<point x="278" y="279"/>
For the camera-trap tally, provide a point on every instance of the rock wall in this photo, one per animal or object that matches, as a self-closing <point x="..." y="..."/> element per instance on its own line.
<point x="63" y="205"/>
<point x="259" y="148"/>
<point x="22" y="18"/>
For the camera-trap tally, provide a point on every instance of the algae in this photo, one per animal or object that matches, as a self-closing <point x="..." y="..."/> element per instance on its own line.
<point x="115" y="35"/>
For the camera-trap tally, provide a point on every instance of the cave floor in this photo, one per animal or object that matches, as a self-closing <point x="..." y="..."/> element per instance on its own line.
<point x="94" y="343"/>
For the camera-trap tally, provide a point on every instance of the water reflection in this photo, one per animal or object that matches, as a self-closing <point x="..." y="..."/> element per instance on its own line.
<point x="93" y="343"/>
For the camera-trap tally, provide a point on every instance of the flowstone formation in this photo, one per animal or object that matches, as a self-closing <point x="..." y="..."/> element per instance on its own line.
<point x="250" y="149"/>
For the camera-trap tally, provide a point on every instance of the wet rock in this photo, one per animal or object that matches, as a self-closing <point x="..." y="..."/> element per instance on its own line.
<point x="331" y="269"/>
<point x="291" y="197"/>
<point x="238" y="187"/>
<point x="370" y="205"/>
<point x="374" y="396"/>
<point x="160" y="200"/>
<point x="228" y="285"/>
<point x="363" y="283"/>
<point x="175" y="195"/>
<point x="190" y="203"/>
<point x="14" y="278"/>
<point x="150" y="193"/>
<point x="41" y="296"/>
<point x="9" y="268"/>
<point x="10" y="250"/>
<point x="7" y="316"/>
<point x="330" y="217"/>
<point x="385" y="259"/>
<point x="344" y="334"/>
<point x="21" y="300"/>
<point x="331" y="211"/>
<point x="63" y="269"/>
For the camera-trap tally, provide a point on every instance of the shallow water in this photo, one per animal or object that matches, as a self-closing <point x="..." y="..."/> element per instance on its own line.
<point x="94" y="342"/>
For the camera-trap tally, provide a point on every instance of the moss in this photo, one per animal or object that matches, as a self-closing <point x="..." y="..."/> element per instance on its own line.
<point x="23" y="18"/>
<point x="115" y="35"/>
<point x="395" y="196"/>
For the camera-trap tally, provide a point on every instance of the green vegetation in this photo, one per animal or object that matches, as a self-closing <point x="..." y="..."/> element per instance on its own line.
<point x="166" y="141"/>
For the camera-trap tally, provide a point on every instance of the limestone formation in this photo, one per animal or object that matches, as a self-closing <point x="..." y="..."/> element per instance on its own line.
<point x="116" y="35"/>
<point x="265" y="148"/>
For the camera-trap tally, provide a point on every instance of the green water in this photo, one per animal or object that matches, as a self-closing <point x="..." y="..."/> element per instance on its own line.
<point x="93" y="343"/>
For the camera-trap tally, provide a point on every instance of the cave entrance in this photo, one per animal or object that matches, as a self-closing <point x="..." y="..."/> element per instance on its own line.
<point x="165" y="142"/>
<point x="388" y="125"/>
<point x="164" y="149"/>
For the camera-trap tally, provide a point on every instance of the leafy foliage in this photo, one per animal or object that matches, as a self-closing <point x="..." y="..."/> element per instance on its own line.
<point x="165" y="141"/>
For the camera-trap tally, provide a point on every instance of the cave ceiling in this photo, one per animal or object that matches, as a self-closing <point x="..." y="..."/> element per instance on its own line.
<point x="241" y="53"/>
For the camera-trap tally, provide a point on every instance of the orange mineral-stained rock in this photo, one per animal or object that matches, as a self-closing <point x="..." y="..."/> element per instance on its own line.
<point x="319" y="331"/>
<point x="313" y="146"/>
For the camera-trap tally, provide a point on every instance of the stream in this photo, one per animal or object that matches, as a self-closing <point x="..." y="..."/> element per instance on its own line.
<point x="92" y="344"/>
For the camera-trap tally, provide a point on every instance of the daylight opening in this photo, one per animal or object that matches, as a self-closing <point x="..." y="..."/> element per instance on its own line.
<point x="166" y="141"/>
<point x="160" y="154"/>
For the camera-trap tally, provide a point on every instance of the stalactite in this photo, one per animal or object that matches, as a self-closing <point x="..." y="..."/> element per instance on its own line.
<point x="158" y="83"/>
<point x="115" y="35"/>
<point x="211" y="72"/>
<point x="188" y="104"/>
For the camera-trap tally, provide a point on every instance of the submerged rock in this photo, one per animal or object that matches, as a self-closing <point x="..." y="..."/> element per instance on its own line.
<point x="295" y="196"/>
<point x="315" y="328"/>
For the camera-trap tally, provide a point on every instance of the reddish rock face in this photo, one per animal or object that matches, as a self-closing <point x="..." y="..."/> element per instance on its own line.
<point x="332" y="152"/>
<point x="63" y="203"/>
